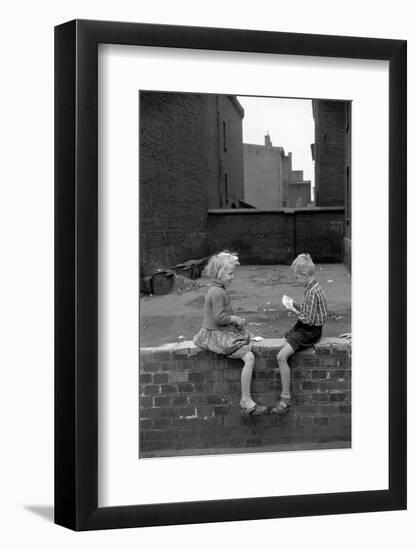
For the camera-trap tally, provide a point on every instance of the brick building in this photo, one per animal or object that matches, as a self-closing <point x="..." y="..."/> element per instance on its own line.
<point x="225" y="119"/>
<point x="332" y="157"/>
<point x="332" y="119"/>
<point x="270" y="181"/>
<point x="191" y="159"/>
<point x="348" y="185"/>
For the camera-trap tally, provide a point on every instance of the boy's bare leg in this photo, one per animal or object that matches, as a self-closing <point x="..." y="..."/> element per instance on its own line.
<point x="246" y="379"/>
<point x="284" y="369"/>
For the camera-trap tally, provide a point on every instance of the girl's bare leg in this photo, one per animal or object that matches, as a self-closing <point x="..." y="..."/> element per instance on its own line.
<point x="246" y="380"/>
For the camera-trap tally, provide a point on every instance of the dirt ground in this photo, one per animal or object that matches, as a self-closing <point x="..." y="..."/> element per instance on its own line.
<point x="256" y="294"/>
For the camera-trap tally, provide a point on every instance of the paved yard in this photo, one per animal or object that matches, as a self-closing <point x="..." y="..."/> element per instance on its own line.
<point x="256" y="295"/>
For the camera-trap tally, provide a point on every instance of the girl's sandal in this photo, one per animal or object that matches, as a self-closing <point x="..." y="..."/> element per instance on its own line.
<point x="283" y="406"/>
<point x="256" y="410"/>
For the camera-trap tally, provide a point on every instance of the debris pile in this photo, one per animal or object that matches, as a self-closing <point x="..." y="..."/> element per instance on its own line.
<point x="183" y="284"/>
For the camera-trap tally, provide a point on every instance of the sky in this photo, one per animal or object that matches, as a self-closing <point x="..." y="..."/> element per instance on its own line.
<point x="289" y="123"/>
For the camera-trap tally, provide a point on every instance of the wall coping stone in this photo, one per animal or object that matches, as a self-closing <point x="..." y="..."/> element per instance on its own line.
<point x="268" y="346"/>
<point x="308" y="209"/>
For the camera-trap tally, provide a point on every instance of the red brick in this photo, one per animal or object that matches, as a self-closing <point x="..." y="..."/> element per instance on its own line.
<point x="146" y="424"/>
<point x="180" y="400"/>
<point x="168" y="389"/>
<point x="160" y="378"/>
<point x="161" y="423"/>
<point x="196" y="377"/>
<point x="146" y="402"/>
<point x="319" y="374"/>
<point x="185" y="387"/>
<point x="162" y="401"/>
<point x="321" y="420"/>
<point x="221" y="410"/>
<point x="337" y="397"/>
<point x="151" y="389"/>
<point x="150" y="367"/>
<point x="197" y="399"/>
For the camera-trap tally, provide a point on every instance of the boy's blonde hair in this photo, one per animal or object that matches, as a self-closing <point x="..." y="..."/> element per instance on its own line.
<point x="220" y="261"/>
<point x="303" y="264"/>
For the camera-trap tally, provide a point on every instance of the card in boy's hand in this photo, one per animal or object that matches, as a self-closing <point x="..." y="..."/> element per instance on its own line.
<point x="287" y="301"/>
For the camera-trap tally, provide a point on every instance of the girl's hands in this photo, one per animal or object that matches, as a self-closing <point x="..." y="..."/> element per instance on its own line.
<point x="238" y="321"/>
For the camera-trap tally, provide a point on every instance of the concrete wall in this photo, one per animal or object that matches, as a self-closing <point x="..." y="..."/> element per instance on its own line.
<point x="296" y="176"/>
<point x="189" y="399"/>
<point x="286" y="175"/>
<point x="263" y="175"/>
<point x="274" y="237"/>
<point x="269" y="177"/>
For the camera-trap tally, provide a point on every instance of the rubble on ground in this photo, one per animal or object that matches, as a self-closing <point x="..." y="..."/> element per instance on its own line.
<point x="183" y="284"/>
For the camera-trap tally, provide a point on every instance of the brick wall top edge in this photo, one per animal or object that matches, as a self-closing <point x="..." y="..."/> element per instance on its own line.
<point x="188" y="348"/>
<point x="273" y="211"/>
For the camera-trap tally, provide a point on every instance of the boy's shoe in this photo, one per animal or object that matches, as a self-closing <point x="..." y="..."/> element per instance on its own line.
<point x="283" y="407"/>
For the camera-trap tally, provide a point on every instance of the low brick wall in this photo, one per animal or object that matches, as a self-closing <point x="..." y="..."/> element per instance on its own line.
<point x="189" y="399"/>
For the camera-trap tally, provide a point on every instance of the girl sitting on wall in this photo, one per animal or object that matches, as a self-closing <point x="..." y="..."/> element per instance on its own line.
<point x="224" y="333"/>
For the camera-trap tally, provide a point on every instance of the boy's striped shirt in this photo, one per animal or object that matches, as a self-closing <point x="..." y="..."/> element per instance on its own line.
<point x="313" y="310"/>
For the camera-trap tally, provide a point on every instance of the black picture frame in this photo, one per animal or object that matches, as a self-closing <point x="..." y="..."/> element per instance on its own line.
<point x="76" y="272"/>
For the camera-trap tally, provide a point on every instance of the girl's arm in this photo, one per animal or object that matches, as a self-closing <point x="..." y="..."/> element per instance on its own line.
<point x="220" y="316"/>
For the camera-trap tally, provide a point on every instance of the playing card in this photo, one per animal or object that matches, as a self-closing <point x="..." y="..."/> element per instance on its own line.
<point x="287" y="301"/>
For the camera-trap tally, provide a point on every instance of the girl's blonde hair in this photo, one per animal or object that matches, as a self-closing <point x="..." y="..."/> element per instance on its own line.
<point x="303" y="264"/>
<point x="220" y="261"/>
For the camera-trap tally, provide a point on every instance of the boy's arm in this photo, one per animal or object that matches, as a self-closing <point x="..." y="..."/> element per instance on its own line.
<point x="306" y="313"/>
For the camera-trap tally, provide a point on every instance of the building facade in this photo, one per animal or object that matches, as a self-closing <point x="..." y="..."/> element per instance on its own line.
<point x="225" y="115"/>
<point x="270" y="181"/>
<point x="332" y="159"/>
<point x="329" y="151"/>
<point x="190" y="160"/>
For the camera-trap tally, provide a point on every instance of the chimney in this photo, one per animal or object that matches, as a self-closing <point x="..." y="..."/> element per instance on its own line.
<point x="268" y="142"/>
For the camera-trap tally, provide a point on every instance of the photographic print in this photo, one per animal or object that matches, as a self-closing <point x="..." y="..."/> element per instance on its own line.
<point x="215" y="326"/>
<point x="245" y="284"/>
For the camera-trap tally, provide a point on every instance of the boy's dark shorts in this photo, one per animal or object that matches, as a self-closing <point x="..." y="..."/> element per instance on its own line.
<point x="303" y="336"/>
